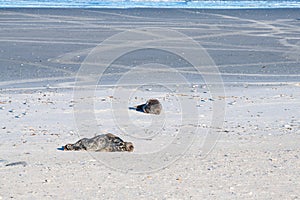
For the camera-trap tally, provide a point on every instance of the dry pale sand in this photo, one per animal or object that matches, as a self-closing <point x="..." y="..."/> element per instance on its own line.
<point x="256" y="154"/>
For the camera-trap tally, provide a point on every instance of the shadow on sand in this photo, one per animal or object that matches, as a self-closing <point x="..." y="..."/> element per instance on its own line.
<point x="138" y="108"/>
<point x="60" y="148"/>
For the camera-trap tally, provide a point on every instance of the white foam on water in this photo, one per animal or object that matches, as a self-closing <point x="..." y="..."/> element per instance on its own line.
<point x="205" y="4"/>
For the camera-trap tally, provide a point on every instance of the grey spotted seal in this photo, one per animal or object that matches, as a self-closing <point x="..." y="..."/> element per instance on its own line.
<point x="152" y="106"/>
<point x="100" y="143"/>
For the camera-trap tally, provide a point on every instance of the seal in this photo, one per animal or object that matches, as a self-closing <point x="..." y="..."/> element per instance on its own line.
<point x="152" y="106"/>
<point x="100" y="143"/>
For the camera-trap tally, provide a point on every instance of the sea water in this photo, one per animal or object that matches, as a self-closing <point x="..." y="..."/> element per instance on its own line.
<point x="205" y="4"/>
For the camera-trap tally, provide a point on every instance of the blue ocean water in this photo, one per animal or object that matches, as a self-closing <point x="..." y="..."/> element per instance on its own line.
<point x="207" y="4"/>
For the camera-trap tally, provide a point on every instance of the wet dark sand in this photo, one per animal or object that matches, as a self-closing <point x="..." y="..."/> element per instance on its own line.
<point x="49" y="45"/>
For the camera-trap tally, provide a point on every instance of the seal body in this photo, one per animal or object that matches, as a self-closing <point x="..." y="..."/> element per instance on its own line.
<point x="100" y="143"/>
<point x="152" y="106"/>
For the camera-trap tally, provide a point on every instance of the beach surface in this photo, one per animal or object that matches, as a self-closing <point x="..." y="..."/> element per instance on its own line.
<point x="253" y="153"/>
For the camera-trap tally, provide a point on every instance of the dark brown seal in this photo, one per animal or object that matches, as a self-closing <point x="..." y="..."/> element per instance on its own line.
<point x="152" y="106"/>
<point x="101" y="143"/>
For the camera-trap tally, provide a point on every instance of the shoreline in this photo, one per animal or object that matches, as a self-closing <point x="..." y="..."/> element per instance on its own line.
<point x="253" y="4"/>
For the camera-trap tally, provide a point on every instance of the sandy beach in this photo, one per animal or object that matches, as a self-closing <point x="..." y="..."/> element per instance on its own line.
<point x="252" y="153"/>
